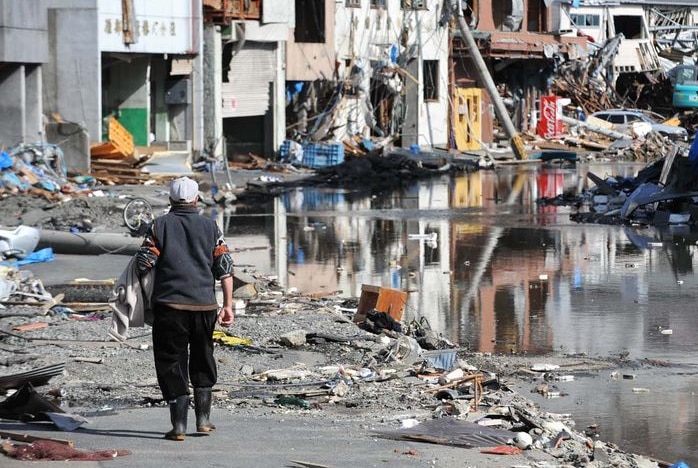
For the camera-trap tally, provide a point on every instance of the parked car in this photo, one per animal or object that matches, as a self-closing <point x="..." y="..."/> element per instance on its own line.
<point x="624" y="119"/>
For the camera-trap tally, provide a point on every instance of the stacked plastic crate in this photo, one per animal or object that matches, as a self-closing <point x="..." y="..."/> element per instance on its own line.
<point x="317" y="154"/>
<point x="323" y="154"/>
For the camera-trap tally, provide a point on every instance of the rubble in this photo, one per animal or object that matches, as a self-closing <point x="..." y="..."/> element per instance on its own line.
<point x="452" y="396"/>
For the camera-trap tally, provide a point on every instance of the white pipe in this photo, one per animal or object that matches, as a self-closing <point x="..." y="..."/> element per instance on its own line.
<point x="89" y="243"/>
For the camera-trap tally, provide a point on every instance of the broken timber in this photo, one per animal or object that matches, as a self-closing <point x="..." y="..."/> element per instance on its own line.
<point x="31" y="438"/>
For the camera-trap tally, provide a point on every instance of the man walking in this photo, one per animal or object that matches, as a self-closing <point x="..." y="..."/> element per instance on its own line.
<point x="188" y="253"/>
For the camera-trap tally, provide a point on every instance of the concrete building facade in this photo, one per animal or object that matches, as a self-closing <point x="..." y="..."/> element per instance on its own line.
<point x="246" y="71"/>
<point x="24" y="50"/>
<point x="70" y="64"/>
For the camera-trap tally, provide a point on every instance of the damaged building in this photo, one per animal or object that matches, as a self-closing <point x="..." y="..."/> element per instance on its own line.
<point x="399" y="73"/>
<point x="242" y="77"/>
<point x="72" y="64"/>
<point x="637" y="45"/>
<point x="523" y="43"/>
<point x="244" y="46"/>
<point x="369" y="68"/>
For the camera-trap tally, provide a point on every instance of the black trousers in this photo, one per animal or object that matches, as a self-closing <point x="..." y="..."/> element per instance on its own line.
<point x="183" y="349"/>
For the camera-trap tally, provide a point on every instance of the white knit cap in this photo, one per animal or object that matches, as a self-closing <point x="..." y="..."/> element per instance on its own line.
<point x="184" y="190"/>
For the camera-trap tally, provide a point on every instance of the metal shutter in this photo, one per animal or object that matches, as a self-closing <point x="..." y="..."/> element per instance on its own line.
<point x="251" y="72"/>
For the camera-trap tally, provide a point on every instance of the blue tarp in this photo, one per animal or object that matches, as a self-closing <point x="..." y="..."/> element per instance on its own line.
<point x="39" y="256"/>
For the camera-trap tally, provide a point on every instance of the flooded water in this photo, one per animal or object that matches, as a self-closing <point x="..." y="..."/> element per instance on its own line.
<point x="496" y="272"/>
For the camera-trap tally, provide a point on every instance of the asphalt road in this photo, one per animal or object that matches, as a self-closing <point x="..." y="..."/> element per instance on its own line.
<point x="267" y="439"/>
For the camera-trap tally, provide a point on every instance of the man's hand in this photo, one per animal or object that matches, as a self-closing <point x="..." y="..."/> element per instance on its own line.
<point x="226" y="316"/>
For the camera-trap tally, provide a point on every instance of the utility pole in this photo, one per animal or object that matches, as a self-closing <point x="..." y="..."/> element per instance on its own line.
<point x="514" y="137"/>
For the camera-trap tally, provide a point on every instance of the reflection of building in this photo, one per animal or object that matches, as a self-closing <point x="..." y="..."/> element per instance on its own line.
<point x="481" y="284"/>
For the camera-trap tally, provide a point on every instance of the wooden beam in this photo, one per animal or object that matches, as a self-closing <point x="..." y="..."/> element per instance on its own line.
<point x="31" y="438"/>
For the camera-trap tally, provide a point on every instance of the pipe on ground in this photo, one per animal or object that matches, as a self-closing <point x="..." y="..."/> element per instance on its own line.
<point x="89" y="243"/>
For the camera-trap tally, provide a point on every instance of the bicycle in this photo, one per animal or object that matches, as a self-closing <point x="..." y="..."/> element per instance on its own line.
<point x="138" y="216"/>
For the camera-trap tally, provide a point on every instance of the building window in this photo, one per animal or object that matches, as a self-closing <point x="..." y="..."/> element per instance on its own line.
<point x="378" y="3"/>
<point x="414" y="4"/>
<point x="310" y="21"/>
<point x="430" y="69"/>
<point x="585" y="21"/>
<point x="353" y="4"/>
<point x="629" y="25"/>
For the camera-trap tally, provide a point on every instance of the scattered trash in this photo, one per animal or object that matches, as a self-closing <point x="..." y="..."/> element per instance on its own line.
<point x="18" y="243"/>
<point x="287" y="400"/>
<point x="408" y="423"/>
<point x="284" y="374"/>
<point x="35" y="377"/>
<point x="443" y="359"/>
<point x="45" y="450"/>
<point x="378" y="299"/>
<point x="502" y="450"/>
<point x="229" y="340"/>
<point x="544" y="367"/>
<point x="30" y="326"/>
<point x="523" y="440"/>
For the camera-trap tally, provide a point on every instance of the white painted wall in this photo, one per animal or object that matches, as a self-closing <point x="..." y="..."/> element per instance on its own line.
<point x="598" y="33"/>
<point x="630" y="50"/>
<point x="162" y="26"/>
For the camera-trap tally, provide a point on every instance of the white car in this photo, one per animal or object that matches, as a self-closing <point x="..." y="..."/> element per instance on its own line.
<point x="624" y="119"/>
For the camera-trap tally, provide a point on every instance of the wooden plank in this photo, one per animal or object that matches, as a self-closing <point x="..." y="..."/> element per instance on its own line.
<point x="587" y="143"/>
<point x="117" y="170"/>
<point x="30" y="326"/>
<point x="118" y="177"/>
<point x="119" y="146"/>
<point x="120" y="137"/>
<point x="31" y="438"/>
<point x="54" y="301"/>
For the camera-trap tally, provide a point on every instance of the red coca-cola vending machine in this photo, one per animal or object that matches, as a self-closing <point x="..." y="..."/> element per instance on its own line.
<point x="550" y="123"/>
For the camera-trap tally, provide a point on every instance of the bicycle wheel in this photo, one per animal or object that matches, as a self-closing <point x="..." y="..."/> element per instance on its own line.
<point x="137" y="212"/>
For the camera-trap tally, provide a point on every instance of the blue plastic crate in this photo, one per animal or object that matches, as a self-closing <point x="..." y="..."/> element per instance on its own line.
<point x="322" y="154"/>
<point x="284" y="150"/>
<point x="315" y="154"/>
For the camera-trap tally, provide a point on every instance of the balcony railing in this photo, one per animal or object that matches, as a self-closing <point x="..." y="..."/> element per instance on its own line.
<point x="222" y="11"/>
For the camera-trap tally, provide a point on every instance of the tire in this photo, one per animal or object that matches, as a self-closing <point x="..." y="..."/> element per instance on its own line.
<point x="138" y="213"/>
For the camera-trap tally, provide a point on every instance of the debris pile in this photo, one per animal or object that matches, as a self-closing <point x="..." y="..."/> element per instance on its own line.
<point x="651" y="148"/>
<point x="662" y="193"/>
<point x="307" y="354"/>
<point x="35" y="169"/>
<point x="581" y="79"/>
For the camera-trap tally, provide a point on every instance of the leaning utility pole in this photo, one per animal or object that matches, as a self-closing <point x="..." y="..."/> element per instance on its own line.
<point x="514" y="137"/>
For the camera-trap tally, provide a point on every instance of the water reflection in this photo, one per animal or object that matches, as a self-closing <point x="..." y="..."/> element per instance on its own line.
<point x="496" y="272"/>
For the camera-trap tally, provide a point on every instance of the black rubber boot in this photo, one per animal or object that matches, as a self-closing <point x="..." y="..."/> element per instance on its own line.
<point x="179" y="408"/>
<point x="202" y="408"/>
